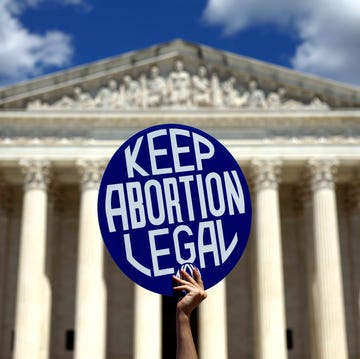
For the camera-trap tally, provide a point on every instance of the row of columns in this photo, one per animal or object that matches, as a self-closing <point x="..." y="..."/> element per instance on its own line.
<point x="33" y="305"/>
<point x="324" y="265"/>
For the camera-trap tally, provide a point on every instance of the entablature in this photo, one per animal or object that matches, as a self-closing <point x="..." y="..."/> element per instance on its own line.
<point x="225" y="124"/>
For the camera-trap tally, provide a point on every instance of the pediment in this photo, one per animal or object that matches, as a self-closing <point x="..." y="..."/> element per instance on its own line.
<point x="178" y="75"/>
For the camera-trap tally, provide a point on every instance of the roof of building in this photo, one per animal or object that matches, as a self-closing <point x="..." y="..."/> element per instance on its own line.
<point x="52" y="91"/>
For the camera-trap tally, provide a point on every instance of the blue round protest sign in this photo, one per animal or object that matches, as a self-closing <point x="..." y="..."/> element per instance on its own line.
<point x="173" y="197"/>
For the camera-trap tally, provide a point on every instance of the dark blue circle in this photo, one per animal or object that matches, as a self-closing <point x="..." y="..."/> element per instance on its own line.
<point x="207" y="207"/>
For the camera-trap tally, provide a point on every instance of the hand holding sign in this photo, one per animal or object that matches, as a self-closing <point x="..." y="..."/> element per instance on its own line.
<point x="172" y="195"/>
<point x="193" y="286"/>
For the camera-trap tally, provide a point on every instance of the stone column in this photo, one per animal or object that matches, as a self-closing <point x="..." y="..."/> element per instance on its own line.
<point x="270" y="324"/>
<point x="4" y="214"/>
<point x="329" y="305"/>
<point x="213" y="324"/>
<point x="90" y="311"/>
<point x="31" y="293"/>
<point x="148" y="324"/>
<point x="304" y="191"/>
<point x="354" y="236"/>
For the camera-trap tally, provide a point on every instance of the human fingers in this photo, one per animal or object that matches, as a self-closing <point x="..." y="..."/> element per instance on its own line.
<point x="188" y="277"/>
<point x="184" y="287"/>
<point x="184" y="279"/>
<point x="197" y="277"/>
<point x="178" y="279"/>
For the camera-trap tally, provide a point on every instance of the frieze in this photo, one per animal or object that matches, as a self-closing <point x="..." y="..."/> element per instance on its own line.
<point x="283" y="140"/>
<point x="178" y="89"/>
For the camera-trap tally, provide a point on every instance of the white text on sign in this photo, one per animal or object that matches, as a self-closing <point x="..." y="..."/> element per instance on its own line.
<point x="173" y="199"/>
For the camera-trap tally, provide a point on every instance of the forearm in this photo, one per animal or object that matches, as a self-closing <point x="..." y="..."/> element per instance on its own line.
<point x="185" y="344"/>
<point x="195" y="294"/>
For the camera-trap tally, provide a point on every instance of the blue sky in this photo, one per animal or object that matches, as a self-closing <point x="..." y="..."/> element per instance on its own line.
<point x="321" y="37"/>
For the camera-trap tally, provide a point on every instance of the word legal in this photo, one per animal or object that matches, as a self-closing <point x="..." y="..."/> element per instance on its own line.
<point x="208" y="244"/>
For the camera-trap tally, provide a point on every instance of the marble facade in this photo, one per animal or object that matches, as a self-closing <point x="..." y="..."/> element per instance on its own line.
<point x="296" y="291"/>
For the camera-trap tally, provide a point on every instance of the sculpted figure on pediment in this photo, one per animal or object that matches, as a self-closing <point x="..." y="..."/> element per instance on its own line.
<point x="65" y="102"/>
<point x="201" y="88"/>
<point x="37" y="105"/>
<point x="179" y="85"/>
<point x="83" y="99"/>
<point x="216" y="93"/>
<point x="275" y="99"/>
<point x="108" y="96"/>
<point x="292" y="104"/>
<point x="231" y="96"/>
<point x="131" y="92"/>
<point x="256" y="96"/>
<point x="317" y="104"/>
<point x="155" y="89"/>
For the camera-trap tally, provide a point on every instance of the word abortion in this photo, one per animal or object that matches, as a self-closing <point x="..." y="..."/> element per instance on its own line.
<point x="137" y="199"/>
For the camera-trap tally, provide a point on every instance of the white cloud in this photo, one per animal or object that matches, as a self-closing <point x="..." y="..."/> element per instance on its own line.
<point x="23" y="53"/>
<point x="328" y="30"/>
<point x="236" y="15"/>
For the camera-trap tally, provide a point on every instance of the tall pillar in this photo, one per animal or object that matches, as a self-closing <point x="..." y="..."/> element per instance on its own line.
<point x="270" y="324"/>
<point x="147" y="327"/>
<point x="90" y="317"/>
<point x="31" y="294"/>
<point x="4" y="213"/>
<point x="308" y="243"/>
<point x="354" y="235"/>
<point x="10" y="267"/>
<point x="329" y="305"/>
<point x="213" y="324"/>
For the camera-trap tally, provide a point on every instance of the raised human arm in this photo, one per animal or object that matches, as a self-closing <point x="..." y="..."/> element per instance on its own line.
<point x="195" y="294"/>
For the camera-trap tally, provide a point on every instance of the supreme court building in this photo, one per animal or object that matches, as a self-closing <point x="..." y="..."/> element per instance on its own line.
<point x="295" y="292"/>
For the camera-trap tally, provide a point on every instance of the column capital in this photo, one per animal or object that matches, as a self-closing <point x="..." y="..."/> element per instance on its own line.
<point x="266" y="173"/>
<point x="91" y="172"/>
<point x="322" y="172"/>
<point x="36" y="174"/>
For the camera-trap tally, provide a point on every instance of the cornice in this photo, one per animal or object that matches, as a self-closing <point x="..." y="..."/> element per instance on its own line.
<point x="220" y="118"/>
<point x="267" y="141"/>
<point x="264" y="128"/>
<point x="289" y="150"/>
